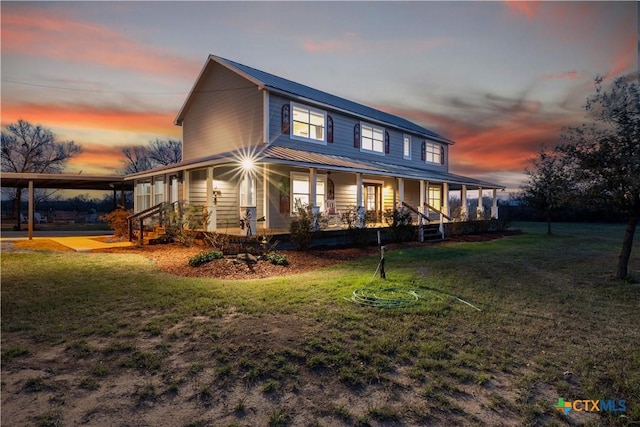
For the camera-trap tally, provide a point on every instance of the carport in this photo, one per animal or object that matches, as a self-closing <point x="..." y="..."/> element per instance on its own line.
<point x="63" y="182"/>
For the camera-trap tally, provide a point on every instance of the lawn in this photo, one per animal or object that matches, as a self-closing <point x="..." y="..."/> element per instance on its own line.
<point x="501" y="330"/>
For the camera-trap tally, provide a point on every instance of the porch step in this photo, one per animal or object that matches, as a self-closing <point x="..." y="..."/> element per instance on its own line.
<point x="432" y="233"/>
<point x="152" y="237"/>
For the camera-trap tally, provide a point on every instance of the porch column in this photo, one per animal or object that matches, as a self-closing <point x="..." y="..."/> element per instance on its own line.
<point x="463" y="202"/>
<point x="30" y="211"/>
<point x="445" y="198"/>
<point x="360" y="211"/>
<point x="265" y="194"/>
<point x="480" y="209"/>
<point x="211" y="209"/>
<point x="421" y="206"/>
<point x="313" y="178"/>
<point x="185" y="186"/>
<point x="494" y="204"/>
<point x="167" y="188"/>
<point x="313" y="182"/>
<point x="426" y="198"/>
<point x="400" y="190"/>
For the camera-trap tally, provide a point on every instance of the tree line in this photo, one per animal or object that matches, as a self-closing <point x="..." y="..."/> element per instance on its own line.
<point x="596" y="164"/>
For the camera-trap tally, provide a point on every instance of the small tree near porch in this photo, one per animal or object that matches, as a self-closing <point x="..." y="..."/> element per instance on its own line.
<point x="549" y="185"/>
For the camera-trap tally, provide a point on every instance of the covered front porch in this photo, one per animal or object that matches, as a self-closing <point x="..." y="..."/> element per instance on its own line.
<point x="243" y="194"/>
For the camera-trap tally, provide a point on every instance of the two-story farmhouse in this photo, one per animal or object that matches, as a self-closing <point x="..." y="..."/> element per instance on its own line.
<point x="257" y="143"/>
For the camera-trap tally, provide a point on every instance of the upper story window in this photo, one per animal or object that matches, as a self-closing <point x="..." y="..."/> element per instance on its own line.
<point x="433" y="153"/>
<point x="308" y="124"/>
<point x="406" y="148"/>
<point x="371" y="139"/>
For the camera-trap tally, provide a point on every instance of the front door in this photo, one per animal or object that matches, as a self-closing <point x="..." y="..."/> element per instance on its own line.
<point x="373" y="202"/>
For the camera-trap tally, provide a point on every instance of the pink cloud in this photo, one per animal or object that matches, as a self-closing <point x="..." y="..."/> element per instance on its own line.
<point x="529" y="9"/>
<point x="50" y="35"/>
<point x="325" y="46"/>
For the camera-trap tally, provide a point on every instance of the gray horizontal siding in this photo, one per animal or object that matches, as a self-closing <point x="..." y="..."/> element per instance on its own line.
<point x="343" y="140"/>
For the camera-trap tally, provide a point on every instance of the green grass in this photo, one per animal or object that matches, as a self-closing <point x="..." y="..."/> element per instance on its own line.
<point x="552" y="319"/>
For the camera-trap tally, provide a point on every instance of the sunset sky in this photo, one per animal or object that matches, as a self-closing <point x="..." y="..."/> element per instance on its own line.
<point x="499" y="78"/>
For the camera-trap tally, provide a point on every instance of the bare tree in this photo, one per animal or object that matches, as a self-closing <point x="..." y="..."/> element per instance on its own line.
<point x="136" y="159"/>
<point x="29" y="148"/>
<point x="165" y="152"/>
<point x="606" y="154"/>
<point x="157" y="153"/>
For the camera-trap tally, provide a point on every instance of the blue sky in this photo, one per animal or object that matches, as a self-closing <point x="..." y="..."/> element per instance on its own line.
<point x="499" y="78"/>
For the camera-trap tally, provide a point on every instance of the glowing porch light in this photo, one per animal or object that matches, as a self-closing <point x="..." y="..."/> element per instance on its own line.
<point x="247" y="164"/>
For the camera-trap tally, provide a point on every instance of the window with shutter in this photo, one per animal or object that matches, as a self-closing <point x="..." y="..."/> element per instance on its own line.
<point x="356" y="136"/>
<point x="285" y="119"/>
<point x="387" y="143"/>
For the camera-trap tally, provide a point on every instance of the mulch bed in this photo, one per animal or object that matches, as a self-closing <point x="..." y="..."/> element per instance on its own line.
<point x="174" y="258"/>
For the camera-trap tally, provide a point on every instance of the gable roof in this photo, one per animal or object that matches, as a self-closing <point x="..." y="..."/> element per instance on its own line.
<point x="289" y="88"/>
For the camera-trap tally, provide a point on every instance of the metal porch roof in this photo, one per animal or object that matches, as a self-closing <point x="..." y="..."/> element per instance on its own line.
<point x="292" y="157"/>
<point x="65" y="181"/>
<point x="330" y="162"/>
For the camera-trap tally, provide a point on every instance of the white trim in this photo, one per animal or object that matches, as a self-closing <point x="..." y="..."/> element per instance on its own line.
<point x="373" y="128"/>
<point x="405" y="137"/>
<point x="323" y="141"/>
<point x="265" y="117"/>
<point x="306" y="176"/>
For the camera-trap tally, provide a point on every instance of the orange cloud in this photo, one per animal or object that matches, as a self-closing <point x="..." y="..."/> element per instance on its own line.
<point x="35" y="33"/>
<point x="488" y="143"/>
<point x="92" y="117"/>
<point x="98" y="159"/>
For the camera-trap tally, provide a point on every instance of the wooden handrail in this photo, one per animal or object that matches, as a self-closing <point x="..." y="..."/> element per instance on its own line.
<point x="414" y="210"/>
<point x="142" y="215"/>
<point x="439" y="211"/>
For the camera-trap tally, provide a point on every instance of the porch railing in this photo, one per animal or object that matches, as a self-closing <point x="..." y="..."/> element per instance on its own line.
<point x="158" y="209"/>
<point x="426" y="218"/>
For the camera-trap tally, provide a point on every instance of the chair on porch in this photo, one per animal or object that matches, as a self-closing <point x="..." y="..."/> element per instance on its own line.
<point x="331" y="213"/>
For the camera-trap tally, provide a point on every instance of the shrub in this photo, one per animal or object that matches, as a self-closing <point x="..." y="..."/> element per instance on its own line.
<point x="117" y="220"/>
<point x="204" y="258"/>
<point x="301" y="228"/>
<point x="356" y="226"/>
<point x="182" y="224"/>
<point x="276" y="258"/>
<point x="401" y="223"/>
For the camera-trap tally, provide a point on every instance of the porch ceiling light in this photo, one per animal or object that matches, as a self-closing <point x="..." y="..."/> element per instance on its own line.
<point x="247" y="164"/>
